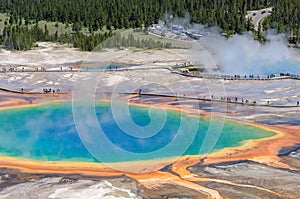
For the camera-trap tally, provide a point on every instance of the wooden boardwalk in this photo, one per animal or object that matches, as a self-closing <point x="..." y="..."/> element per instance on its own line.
<point x="239" y="77"/>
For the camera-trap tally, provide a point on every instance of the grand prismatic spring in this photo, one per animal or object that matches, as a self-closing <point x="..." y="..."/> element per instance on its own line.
<point x="47" y="132"/>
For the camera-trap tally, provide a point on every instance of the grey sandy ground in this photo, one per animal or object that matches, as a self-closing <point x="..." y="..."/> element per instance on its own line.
<point x="159" y="81"/>
<point x="20" y="185"/>
<point x="286" y="182"/>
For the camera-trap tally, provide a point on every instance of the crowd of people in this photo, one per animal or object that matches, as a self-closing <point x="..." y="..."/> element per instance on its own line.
<point x="236" y="100"/>
<point x="51" y="90"/>
<point x="36" y="69"/>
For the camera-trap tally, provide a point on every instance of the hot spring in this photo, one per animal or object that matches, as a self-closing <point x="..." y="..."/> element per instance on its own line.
<point x="47" y="132"/>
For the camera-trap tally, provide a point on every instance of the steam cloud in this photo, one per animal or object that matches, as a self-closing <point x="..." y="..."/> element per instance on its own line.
<point x="241" y="54"/>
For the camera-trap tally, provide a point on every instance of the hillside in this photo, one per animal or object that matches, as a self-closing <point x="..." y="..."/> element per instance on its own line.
<point x="91" y="21"/>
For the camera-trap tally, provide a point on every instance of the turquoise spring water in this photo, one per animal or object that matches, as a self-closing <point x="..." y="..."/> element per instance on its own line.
<point x="47" y="132"/>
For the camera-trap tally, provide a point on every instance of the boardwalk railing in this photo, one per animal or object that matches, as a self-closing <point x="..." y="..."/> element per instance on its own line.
<point x="75" y="70"/>
<point x="236" y="77"/>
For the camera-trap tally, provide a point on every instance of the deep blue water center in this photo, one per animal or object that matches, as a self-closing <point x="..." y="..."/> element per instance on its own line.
<point x="48" y="132"/>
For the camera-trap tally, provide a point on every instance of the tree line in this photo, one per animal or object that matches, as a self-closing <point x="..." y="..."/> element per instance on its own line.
<point x="285" y="18"/>
<point x="17" y="37"/>
<point x="95" y="14"/>
<point x="22" y="38"/>
<point x="116" y="14"/>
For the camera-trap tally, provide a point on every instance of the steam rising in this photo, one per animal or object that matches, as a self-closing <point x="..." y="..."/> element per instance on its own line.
<point x="241" y="54"/>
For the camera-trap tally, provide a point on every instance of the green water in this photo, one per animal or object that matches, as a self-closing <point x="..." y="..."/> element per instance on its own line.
<point x="48" y="132"/>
